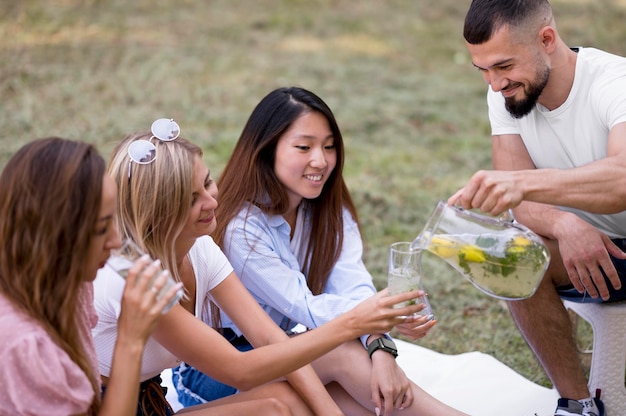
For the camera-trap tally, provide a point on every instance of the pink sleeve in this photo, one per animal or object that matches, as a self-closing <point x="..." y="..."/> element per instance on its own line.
<point x="40" y="378"/>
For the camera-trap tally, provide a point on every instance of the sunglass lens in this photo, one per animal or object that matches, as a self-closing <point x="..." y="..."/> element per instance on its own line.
<point x="142" y="151"/>
<point x="165" y="129"/>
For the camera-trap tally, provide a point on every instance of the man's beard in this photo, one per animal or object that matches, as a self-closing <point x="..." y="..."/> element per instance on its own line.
<point x="520" y="108"/>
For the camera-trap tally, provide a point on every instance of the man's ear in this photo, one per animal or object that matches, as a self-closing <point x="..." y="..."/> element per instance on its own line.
<point x="547" y="36"/>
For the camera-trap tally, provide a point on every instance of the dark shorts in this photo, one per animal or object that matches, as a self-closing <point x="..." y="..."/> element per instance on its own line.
<point x="570" y="293"/>
<point x="152" y="399"/>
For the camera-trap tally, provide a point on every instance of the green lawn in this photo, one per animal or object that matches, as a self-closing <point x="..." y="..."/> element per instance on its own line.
<point x="396" y="73"/>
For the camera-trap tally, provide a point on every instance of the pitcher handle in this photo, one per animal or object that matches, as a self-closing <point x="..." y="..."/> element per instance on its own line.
<point x="507" y="216"/>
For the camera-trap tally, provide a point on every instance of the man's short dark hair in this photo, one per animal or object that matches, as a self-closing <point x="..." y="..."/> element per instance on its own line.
<point x="485" y="17"/>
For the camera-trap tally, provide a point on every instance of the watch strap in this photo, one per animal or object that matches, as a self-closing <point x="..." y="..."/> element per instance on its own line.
<point x="384" y="344"/>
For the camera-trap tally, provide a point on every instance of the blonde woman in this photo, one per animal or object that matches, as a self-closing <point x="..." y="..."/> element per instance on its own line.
<point x="167" y="201"/>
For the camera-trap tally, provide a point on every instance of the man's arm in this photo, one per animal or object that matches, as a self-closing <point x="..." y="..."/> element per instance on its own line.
<point x="598" y="187"/>
<point x="583" y="250"/>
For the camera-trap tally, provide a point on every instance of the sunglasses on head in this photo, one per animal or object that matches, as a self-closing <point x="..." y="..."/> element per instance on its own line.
<point x="144" y="151"/>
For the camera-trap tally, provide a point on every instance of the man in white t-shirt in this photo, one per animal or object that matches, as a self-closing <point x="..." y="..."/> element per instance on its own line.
<point x="558" y="118"/>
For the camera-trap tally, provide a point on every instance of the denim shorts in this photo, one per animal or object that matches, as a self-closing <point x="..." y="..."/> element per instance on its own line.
<point x="568" y="292"/>
<point x="194" y="387"/>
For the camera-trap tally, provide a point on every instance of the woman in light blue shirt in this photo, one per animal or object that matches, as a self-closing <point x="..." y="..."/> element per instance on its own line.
<point x="290" y="229"/>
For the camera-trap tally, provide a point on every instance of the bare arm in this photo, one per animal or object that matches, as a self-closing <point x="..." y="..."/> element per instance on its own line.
<point x="496" y="191"/>
<point x="234" y="299"/>
<point x="582" y="249"/>
<point x="139" y="316"/>
<point x="604" y="179"/>
<point x="202" y="347"/>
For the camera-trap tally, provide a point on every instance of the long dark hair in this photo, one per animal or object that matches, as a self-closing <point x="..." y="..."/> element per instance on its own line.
<point x="249" y="178"/>
<point x="50" y="196"/>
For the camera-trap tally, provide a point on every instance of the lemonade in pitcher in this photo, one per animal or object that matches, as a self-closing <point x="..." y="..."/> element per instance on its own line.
<point x="500" y="257"/>
<point x="505" y="267"/>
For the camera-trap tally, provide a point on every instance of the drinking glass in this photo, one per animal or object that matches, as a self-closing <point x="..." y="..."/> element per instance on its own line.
<point x="405" y="275"/>
<point x="122" y="260"/>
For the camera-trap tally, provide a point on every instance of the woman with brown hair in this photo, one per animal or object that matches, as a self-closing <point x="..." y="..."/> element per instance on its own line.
<point x="56" y="230"/>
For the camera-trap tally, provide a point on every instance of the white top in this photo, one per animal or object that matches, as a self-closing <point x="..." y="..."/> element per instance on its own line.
<point x="576" y="133"/>
<point x="210" y="268"/>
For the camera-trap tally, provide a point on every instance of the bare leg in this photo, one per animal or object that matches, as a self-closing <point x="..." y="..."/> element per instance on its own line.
<point x="346" y="403"/>
<point x="545" y="324"/>
<point x="272" y="399"/>
<point x="351" y="368"/>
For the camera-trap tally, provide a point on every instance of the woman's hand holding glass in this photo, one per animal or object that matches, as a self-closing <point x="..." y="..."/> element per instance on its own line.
<point x="142" y="302"/>
<point x="377" y="313"/>
<point x="125" y="257"/>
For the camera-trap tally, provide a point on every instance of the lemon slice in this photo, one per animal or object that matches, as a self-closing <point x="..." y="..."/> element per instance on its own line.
<point x="472" y="253"/>
<point x="443" y="247"/>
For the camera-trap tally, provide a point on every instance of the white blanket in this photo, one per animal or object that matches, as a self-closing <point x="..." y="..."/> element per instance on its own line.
<point x="474" y="382"/>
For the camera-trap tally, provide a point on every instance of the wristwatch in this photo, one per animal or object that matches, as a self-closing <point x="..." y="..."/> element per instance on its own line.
<point x="382" y="344"/>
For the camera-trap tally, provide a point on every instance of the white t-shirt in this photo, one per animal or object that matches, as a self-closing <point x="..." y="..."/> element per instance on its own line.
<point x="210" y="267"/>
<point x="576" y="133"/>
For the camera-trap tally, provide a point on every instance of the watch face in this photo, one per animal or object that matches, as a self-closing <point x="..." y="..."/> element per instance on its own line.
<point x="389" y="344"/>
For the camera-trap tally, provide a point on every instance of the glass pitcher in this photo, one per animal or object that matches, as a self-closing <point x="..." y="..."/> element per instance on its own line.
<point x="499" y="256"/>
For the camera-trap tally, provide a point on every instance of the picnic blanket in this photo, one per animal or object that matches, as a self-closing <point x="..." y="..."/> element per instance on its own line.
<point x="473" y="382"/>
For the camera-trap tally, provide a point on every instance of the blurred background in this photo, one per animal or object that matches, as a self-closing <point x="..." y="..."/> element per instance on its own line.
<point x="396" y="74"/>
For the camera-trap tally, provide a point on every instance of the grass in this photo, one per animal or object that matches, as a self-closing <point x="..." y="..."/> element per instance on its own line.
<point x="396" y="73"/>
